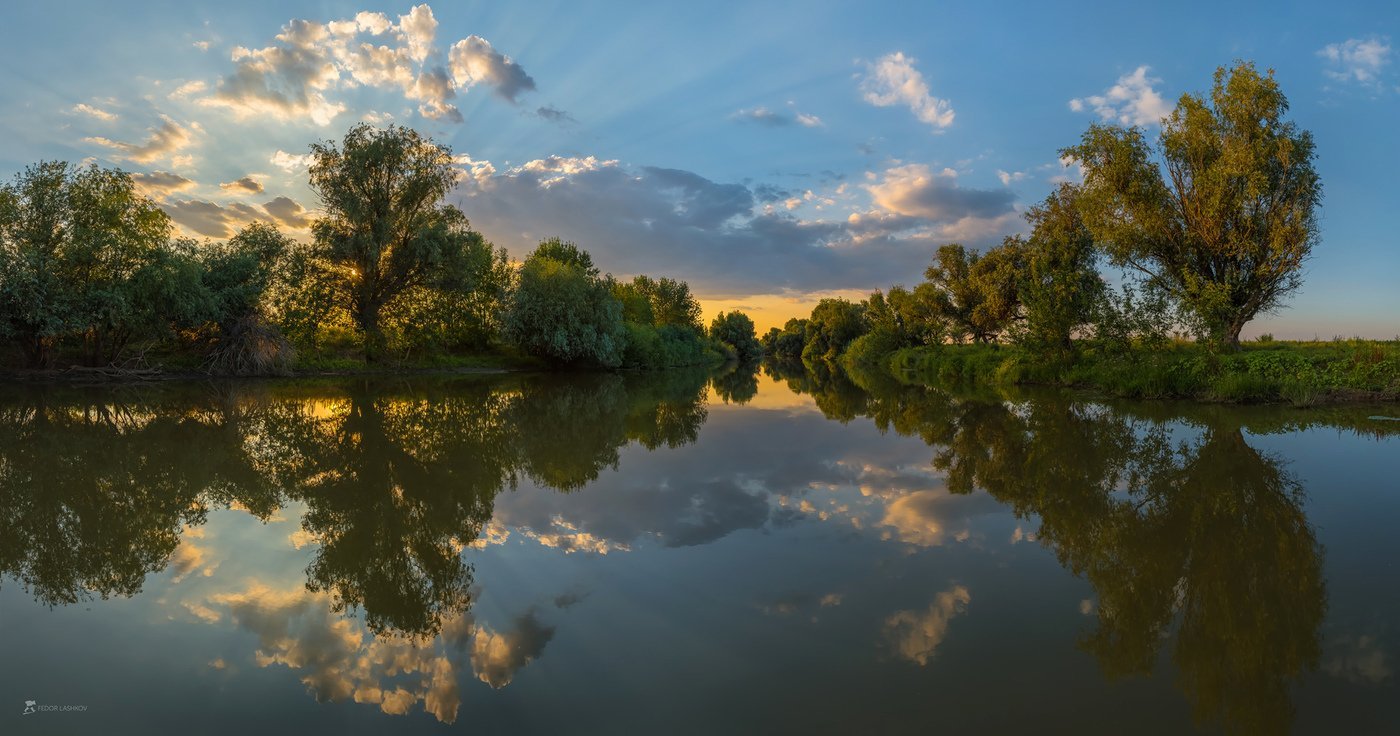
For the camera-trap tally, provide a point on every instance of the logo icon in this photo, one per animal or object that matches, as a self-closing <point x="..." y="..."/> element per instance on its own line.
<point x="28" y="707"/>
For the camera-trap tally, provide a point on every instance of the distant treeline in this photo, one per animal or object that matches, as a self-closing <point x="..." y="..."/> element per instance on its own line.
<point x="91" y="272"/>
<point x="1210" y="225"/>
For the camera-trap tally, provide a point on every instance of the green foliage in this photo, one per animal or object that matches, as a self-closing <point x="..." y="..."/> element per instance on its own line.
<point x="1060" y="288"/>
<point x="833" y="325"/>
<point x="787" y="343"/>
<point x="463" y="316"/>
<point x="659" y="302"/>
<point x="1227" y="219"/>
<point x="975" y="296"/>
<point x="385" y="230"/>
<point x="566" y="253"/>
<point x="668" y="346"/>
<point x="564" y="313"/>
<point x="1300" y="373"/>
<point x="88" y="263"/>
<point x="736" y="330"/>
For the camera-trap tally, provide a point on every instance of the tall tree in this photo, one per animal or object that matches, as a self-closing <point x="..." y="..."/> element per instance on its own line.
<point x="384" y="225"/>
<point x="1221" y="210"/>
<point x="1060" y="286"/>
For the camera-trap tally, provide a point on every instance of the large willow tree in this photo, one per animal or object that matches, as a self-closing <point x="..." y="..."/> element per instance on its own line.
<point x="1221" y="210"/>
<point x="385" y="229"/>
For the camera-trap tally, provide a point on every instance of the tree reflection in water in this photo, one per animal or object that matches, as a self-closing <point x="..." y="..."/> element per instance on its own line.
<point x="1177" y="522"/>
<point x="398" y="477"/>
<point x="1192" y="538"/>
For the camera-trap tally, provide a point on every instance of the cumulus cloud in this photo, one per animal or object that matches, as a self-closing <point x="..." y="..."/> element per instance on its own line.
<point x="165" y="140"/>
<point x="418" y="29"/>
<point x="914" y="635"/>
<point x="83" y="108"/>
<point x="893" y="80"/>
<point x="161" y="183"/>
<point x="658" y="220"/>
<point x="245" y="185"/>
<point x="288" y="212"/>
<point x="298" y="75"/>
<point x="1131" y="101"/>
<point x="474" y="61"/>
<point x="286" y="80"/>
<point x="777" y="118"/>
<point x="433" y="89"/>
<point x="1357" y="60"/>
<point x="212" y="220"/>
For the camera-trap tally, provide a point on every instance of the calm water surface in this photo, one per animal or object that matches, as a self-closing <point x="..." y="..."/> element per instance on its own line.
<point x="687" y="553"/>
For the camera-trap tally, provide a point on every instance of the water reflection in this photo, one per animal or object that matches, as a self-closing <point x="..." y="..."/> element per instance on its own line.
<point x="1181" y="526"/>
<point x="1195" y="542"/>
<point x="397" y="477"/>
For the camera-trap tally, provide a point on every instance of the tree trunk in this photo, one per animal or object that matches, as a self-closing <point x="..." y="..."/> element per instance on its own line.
<point x="37" y="351"/>
<point x="1232" y="335"/>
<point x="368" y="317"/>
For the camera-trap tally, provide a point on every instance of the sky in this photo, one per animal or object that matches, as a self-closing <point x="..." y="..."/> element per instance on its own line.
<point x="770" y="154"/>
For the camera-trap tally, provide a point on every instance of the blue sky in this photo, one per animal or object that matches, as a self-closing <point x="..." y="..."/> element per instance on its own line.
<point x="767" y="153"/>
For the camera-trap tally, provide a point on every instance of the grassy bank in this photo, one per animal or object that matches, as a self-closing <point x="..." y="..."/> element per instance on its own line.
<point x="1300" y="373"/>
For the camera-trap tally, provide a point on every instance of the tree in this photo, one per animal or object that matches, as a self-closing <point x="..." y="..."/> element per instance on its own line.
<point x="787" y="343"/>
<point x="1221" y="211"/>
<point x="1060" y="287"/>
<point x="84" y="256"/>
<point x="385" y="229"/>
<point x="833" y="325"/>
<point x="736" y="330"/>
<point x="238" y="276"/>
<point x="670" y="302"/>
<point x="976" y="294"/>
<point x="567" y="253"/>
<point x="563" y="312"/>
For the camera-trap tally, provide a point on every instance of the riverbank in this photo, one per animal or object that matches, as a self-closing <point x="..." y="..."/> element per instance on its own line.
<point x="1298" y="373"/>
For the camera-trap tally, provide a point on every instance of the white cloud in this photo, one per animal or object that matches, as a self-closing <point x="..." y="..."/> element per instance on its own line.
<point x="1131" y="101"/>
<point x="290" y="162"/>
<point x="474" y="61"/>
<point x="418" y="30"/>
<point x="165" y="140"/>
<point x="83" y="108"/>
<point x="1009" y="176"/>
<point x="893" y="80"/>
<point x="297" y="77"/>
<point x="1357" y="60"/>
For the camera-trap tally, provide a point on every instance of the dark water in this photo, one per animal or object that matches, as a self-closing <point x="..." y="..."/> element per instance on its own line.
<point x="687" y="553"/>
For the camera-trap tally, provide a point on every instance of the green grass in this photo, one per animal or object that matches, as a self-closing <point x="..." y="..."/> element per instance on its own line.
<point x="1301" y="373"/>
